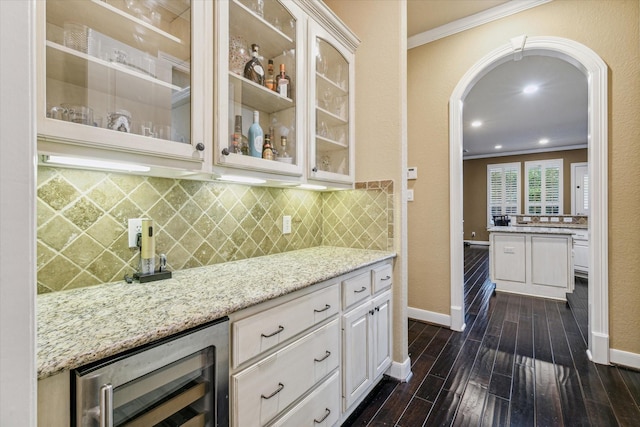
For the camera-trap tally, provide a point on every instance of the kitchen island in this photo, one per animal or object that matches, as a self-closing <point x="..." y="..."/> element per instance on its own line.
<point x="80" y="326"/>
<point x="536" y="261"/>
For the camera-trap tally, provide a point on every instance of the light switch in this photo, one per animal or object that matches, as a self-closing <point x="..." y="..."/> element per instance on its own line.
<point x="409" y="195"/>
<point x="412" y="172"/>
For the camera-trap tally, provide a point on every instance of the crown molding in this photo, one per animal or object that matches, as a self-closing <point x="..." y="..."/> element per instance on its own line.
<point x="530" y="151"/>
<point x="472" y="21"/>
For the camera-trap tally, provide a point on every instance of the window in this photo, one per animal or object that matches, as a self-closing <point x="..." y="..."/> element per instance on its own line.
<point x="543" y="189"/>
<point x="503" y="190"/>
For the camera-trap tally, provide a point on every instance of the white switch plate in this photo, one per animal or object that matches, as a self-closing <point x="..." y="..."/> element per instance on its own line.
<point x="286" y="224"/>
<point x="412" y="172"/>
<point x="135" y="227"/>
<point x="409" y="195"/>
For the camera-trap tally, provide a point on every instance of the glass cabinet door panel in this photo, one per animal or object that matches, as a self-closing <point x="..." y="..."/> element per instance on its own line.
<point x="332" y="154"/>
<point x="120" y="65"/>
<point x="272" y="30"/>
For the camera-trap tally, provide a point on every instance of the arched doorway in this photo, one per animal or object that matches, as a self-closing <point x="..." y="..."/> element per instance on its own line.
<point x="596" y="70"/>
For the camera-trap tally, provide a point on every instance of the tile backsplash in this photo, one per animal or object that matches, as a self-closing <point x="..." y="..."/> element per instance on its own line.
<point x="82" y="220"/>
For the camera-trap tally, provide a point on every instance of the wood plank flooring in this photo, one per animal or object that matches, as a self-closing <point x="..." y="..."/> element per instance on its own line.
<point x="521" y="361"/>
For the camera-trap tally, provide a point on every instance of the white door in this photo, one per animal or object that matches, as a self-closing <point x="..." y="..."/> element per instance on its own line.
<point x="580" y="187"/>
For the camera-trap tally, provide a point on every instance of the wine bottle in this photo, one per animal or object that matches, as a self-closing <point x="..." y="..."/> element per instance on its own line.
<point x="253" y="69"/>
<point x="267" y="151"/>
<point x="270" y="79"/>
<point x="255" y="136"/>
<point x="284" y="83"/>
<point x="237" y="136"/>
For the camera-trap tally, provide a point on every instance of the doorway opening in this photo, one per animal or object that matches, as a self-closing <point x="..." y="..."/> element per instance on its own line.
<point x="596" y="71"/>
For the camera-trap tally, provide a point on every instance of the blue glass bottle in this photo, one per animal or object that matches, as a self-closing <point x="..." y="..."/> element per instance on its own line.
<point x="255" y="136"/>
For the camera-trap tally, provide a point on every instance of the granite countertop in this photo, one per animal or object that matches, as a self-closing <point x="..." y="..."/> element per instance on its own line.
<point x="532" y="230"/>
<point x="83" y="325"/>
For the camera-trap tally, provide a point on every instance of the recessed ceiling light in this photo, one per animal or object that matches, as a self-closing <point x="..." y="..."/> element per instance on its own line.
<point x="476" y="123"/>
<point x="530" y="89"/>
<point x="497" y="147"/>
<point x="544" y="141"/>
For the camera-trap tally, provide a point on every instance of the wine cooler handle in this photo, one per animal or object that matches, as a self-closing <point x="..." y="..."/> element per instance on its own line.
<point x="106" y="405"/>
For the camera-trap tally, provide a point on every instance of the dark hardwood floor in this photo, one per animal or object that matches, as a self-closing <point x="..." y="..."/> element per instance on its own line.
<point x="521" y="361"/>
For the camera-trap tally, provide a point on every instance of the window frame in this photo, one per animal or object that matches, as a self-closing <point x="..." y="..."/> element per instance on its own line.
<point x="517" y="166"/>
<point x="544" y="204"/>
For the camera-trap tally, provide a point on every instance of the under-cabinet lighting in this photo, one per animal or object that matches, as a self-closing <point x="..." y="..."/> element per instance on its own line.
<point x="312" y="187"/>
<point x="95" y="164"/>
<point x="241" y="179"/>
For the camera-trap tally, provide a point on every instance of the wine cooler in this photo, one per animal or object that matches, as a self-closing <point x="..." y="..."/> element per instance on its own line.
<point x="180" y="381"/>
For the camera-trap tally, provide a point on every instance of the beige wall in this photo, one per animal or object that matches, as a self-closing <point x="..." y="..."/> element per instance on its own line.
<point x="611" y="29"/>
<point x="380" y="119"/>
<point x="475" y="186"/>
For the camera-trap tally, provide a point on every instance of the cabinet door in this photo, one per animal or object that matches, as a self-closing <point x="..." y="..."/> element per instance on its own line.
<point x="331" y="117"/>
<point x="115" y="79"/>
<point x="278" y="29"/>
<point x="381" y="340"/>
<point x="581" y="256"/>
<point x="356" y="352"/>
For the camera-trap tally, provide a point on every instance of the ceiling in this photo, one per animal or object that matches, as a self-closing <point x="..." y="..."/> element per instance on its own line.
<point x="517" y="122"/>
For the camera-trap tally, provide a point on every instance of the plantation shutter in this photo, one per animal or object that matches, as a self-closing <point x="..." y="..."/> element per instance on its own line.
<point x="503" y="190"/>
<point x="544" y="187"/>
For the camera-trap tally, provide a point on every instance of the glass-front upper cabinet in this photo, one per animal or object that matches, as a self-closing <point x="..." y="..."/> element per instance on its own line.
<point x="118" y="78"/>
<point x="331" y="131"/>
<point x="261" y="87"/>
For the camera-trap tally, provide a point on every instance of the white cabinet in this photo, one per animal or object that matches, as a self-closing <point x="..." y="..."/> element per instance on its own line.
<point x="581" y="252"/>
<point x="316" y="118"/>
<point x="367" y="339"/>
<point x="332" y="135"/>
<point x="115" y="81"/>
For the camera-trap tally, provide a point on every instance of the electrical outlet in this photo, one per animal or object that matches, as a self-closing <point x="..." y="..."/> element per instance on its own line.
<point x="286" y="224"/>
<point x="135" y="227"/>
<point x="473" y="234"/>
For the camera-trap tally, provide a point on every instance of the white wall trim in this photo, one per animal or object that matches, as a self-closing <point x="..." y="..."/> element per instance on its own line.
<point x="484" y="17"/>
<point x="625" y="358"/>
<point x="401" y="371"/>
<point x="18" y="368"/>
<point x="429" y="316"/>
<point x="596" y="70"/>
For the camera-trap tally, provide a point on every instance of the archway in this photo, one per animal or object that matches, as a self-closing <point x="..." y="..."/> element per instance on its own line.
<point x="596" y="70"/>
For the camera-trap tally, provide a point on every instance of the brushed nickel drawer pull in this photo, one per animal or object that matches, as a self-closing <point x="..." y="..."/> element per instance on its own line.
<point x="327" y="354"/>
<point x="326" y="307"/>
<point x="280" y="329"/>
<point x="327" y="412"/>
<point x="386" y="278"/>
<point x="362" y="289"/>
<point x="280" y="387"/>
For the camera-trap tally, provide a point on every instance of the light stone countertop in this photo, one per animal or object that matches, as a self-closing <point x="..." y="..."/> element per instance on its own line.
<point x="532" y="230"/>
<point x="84" y="325"/>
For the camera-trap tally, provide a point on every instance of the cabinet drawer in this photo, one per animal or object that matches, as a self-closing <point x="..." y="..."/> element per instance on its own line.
<point x="321" y="408"/>
<point x="263" y="390"/>
<point x="356" y="289"/>
<point x="260" y="332"/>
<point x="382" y="277"/>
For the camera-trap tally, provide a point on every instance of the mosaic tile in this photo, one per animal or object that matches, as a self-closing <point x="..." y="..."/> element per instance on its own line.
<point x="81" y="179"/>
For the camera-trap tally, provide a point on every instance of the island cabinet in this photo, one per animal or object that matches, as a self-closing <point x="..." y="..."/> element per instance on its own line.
<point x="531" y="261"/>
<point x="295" y="356"/>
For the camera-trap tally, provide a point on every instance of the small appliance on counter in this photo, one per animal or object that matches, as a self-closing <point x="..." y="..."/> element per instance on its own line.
<point x="501" y="220"/>
<point x="147" y="268"/>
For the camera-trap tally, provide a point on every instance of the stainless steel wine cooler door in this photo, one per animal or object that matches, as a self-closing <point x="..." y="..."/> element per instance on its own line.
<point x="181" y="381"/>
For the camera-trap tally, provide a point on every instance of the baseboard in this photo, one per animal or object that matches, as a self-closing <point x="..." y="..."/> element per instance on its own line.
<point x="476" y="242"/>
<point x="600" y="350"/>
<point x="625" y="358"/>
<point x="401" y="371"/>
<point x="429" y="316"/>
